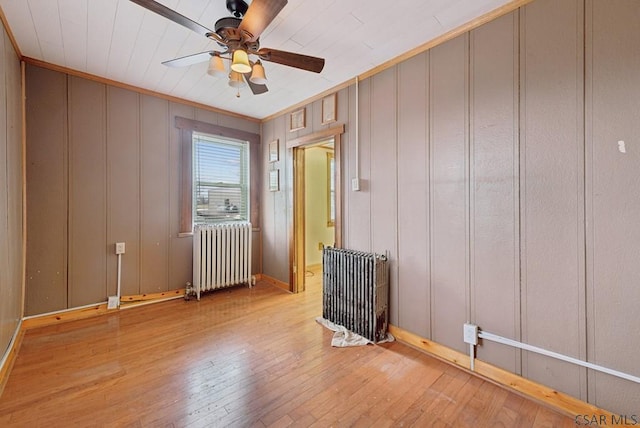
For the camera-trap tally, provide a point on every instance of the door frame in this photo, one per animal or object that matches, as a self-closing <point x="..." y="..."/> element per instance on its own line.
<point x="295" y="160"/>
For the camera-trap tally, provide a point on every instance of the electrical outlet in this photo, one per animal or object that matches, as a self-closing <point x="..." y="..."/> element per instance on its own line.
<point x="320" y="246"/>
<point x="113" y="302"/>
<point x="471" y="334"/>
<point x="119" y="247"/>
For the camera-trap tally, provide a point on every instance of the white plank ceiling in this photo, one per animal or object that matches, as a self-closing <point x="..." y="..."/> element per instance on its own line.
<point x="119" y="40"/>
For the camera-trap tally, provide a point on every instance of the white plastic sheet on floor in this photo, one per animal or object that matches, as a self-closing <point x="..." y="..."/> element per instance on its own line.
<point x="343" y="337"/>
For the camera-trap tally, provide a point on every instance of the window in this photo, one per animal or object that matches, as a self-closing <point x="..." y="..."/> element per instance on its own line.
<point x="220" y="179"/>
<point x="331" y="191"/>
<point x="216" y="133"/>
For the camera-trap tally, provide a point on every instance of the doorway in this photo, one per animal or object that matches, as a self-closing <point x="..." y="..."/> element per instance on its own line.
<point x="316" y="204"/>
<point x="319" y="208"/>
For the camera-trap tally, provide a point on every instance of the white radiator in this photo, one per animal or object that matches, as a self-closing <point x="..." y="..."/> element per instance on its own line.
<point x="221" y="256"/>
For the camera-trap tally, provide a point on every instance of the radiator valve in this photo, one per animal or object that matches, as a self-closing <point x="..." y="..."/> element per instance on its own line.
<point x="188" y="291"/>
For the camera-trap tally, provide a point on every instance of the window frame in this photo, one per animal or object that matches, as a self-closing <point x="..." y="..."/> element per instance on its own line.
<point x="244" y="184"/>
<point x="186" y="128"/>
<point x="331" y="190"/>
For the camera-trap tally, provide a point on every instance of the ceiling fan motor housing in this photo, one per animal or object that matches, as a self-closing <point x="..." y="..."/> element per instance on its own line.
<point x="237" y="8"/>
<point x="227" y="29"/>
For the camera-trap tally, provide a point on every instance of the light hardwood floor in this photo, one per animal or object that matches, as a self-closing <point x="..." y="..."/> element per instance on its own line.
<point x="246" y="358"/>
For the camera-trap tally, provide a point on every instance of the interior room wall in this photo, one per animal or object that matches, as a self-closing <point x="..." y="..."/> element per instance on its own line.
<point x="276" y="206"/>
<point x="492" y="174"/>
<point x="317" y="229"/>
<point x="104" y="167"/>
<point x="11" y="174"/>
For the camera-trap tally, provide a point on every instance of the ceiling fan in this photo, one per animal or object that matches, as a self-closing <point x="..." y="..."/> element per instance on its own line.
<point x="239" y="37"/>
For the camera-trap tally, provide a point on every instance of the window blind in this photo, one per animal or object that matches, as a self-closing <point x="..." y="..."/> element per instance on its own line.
<point x="220" y="179"/>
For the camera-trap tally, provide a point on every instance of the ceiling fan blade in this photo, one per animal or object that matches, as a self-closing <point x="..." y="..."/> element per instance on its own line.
<point x="259" y="16"/>
<point x="303" y="62"/>
<point x="188" y="60"/>
<point x="172" y="15"/>
<point x="255" y="88"/>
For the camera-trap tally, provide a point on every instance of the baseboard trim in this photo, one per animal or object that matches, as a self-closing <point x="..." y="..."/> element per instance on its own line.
<point x="64" y="315"/>
<point x="544" y="395"/>
<point x="6" y="364"/>
<point x="165" y="295"/>
<point x="127" y="302"/>
<point x="275" y="282"/>
<point x="149" y="299"/>
<point x="97" y="309"/>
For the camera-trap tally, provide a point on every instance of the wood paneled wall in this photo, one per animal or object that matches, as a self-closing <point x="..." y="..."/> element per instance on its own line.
<point x="104" y="167"/>
<point x="552" y="192"/>
<point x="613" y="197"/>
<point x="492" y="173"/>
<point x="494" y="263"/>
<point x="277" y="206"/>
<point x="10" y="192"/>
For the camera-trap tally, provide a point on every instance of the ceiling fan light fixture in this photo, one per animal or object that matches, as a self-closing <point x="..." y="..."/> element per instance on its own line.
<point x="240" y="62"/>
<point x="236" y="79"/>
<point x="216" y="67"/>
<point x="240" y="38"/>
<point x="257" y="75"/>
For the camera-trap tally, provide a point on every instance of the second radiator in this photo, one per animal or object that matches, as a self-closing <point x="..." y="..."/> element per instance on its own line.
<point x="356" y="291"/>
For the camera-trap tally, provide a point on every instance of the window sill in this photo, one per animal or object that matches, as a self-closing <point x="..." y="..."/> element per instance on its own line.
<point x="189" y="234"/>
